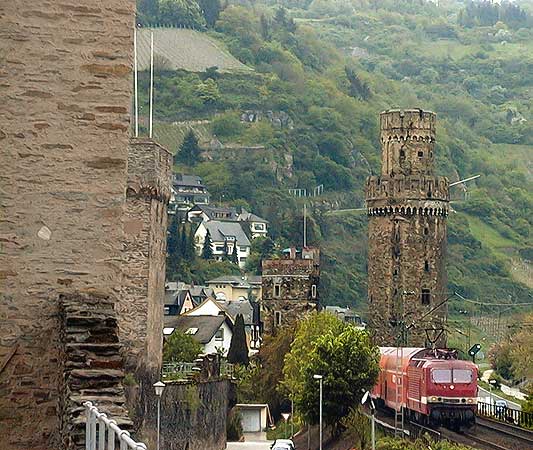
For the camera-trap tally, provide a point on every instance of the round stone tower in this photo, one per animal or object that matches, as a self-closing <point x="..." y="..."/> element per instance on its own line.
<point x="407" y="207"/>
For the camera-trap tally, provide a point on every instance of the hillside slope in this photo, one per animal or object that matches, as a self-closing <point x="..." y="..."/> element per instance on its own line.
<point x="184" y="49"/>
<point x="333" y="72"/>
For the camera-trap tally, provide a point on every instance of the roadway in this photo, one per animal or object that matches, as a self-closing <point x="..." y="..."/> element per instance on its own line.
<point x="484" y="396"/>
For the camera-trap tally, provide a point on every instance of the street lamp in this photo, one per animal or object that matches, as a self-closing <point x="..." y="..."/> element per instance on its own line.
<point x="491" y="383"/>
<point x="366" y="397"/>
<point x="320" y="379"/>
<point x="159" y="388"/>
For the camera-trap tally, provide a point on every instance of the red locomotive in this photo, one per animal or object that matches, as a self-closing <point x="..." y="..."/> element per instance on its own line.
<point x="432" y="386"/>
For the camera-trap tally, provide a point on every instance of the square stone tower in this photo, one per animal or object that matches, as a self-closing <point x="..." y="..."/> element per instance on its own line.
<point x="407" y="206"/>
<point x="289" y="288"/>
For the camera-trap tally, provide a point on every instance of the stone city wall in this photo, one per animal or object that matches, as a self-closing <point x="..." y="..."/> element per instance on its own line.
<point x="65" y="84"/>
<point x="140" y="310"/>
<point x="92" y="365"/>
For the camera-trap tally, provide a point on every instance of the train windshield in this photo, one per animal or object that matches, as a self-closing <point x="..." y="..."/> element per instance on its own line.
<point x="441" y="375"/>
<point x="462" y="376"/>
<point x="446" y="376"/>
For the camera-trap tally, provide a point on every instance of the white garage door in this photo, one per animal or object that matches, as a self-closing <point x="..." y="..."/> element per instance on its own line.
<point x="251" y="420"/>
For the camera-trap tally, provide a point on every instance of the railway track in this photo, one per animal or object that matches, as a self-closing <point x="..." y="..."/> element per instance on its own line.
<point x="515" y="437"/>
<point x="487" y="434"/>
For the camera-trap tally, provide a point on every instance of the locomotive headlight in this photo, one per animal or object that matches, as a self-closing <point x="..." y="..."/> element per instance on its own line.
<point x="433" y="399"/>
<point x="470" y="400"/>
<point x="452" y="387"/>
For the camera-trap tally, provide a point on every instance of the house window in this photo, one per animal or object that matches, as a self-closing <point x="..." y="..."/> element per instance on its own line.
<point x="313" y="291"/>
<point x="277" y="290"/>
<point x="167" y="310"/>
<point x="219" y="335"/>
<point x="277" y="318"/>
<point x="426" y="265"/>
<point x="425" y="297"/>
<point x="192" y="331"/>
<point x="259" y="226"/>
<point x="242" y="249"/>
<point x="219" y="248"/>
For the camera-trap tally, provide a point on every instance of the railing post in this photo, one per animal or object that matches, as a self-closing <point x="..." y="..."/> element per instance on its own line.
<point x="87" y="425"/>
<point x="111" y="436"/>
<point x="101" y="432"/>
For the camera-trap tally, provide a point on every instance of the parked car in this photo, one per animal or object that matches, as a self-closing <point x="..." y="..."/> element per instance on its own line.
<point x="282" y="444"/>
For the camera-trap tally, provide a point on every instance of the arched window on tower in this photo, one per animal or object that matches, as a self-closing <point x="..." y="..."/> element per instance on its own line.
<point x="426" y="265"/>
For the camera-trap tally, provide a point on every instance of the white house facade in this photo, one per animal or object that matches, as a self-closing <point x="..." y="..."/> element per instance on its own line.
<point x="224" y="237"/>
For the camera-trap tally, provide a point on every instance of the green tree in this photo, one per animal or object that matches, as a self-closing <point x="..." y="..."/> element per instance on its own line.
<point x="208" y="91"/>
<point x="308" y="331"/>
<point x="189" y="151"/>
<point x="207" y="250"/>
<point x="349" y="364"/>
<point x="181" y="347"/>
<point x="238" y="349"/>
<point x="173" y="240"/>
<point x="180" y="12"/>
<point x="191" y="249"/>
<point x="211" y="10"/>
<point x="234" y="258"/>
<point x="262" y="381"/>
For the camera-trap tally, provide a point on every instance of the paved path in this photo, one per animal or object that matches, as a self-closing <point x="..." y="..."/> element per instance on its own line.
<point x="264" y="445"/>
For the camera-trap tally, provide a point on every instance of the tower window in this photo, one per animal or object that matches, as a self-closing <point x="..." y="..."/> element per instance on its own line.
<point x="277" y="290"/>
<point x="277" y="318"/>
<point x="425" y="297"/>
<point x="313" y="291"/>
<point x="420" y="154"/>
<point x="402" y="154"/>
<point x="426" y="265"/>
<point x="426" y="231"/>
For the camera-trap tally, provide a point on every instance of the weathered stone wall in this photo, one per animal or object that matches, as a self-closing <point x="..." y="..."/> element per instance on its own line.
<point x="295" y="278"/>
<point x="407" y="209"/>
<point x="92" y="365"/>
<point x="193" y="415"/>
<point x="193" y="409"/>
<point x="140" y="310"/>
<point x="65" y="85"/>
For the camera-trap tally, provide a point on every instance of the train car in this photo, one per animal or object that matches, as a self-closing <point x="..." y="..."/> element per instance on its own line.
<point x="432" y="386"/>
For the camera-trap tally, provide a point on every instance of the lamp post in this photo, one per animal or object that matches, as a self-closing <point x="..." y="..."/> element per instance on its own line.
<point x="159" y="387"/>
<point x="366" y="398"/>
<point x="491" y="383"/>
<point x="320" y="379"/>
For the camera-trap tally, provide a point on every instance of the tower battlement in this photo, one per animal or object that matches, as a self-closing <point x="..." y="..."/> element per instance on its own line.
<point x="408" y="120"/>
<point x="389" y="191"/>
<point x="407" y="142"/>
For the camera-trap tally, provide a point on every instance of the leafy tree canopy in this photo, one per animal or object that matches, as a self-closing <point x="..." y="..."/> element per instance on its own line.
<point x="181" y="347"/>
<point x="349" y="365"/>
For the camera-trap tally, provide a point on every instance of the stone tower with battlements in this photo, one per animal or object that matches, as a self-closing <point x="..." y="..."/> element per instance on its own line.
<point x="407" y="206"/>
<point x="289" y="288"/>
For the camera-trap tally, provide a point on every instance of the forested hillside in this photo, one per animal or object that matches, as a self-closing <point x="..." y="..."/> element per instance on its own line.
<point x="332" y="66"/>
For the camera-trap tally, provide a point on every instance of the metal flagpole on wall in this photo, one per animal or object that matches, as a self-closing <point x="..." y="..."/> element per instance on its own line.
<point x="151" y="81"/>
<point x="135" y="88"/>
<point x="305" y="225"/>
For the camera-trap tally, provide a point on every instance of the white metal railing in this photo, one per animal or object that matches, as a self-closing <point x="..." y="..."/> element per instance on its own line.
<point x="102" y="433"/>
